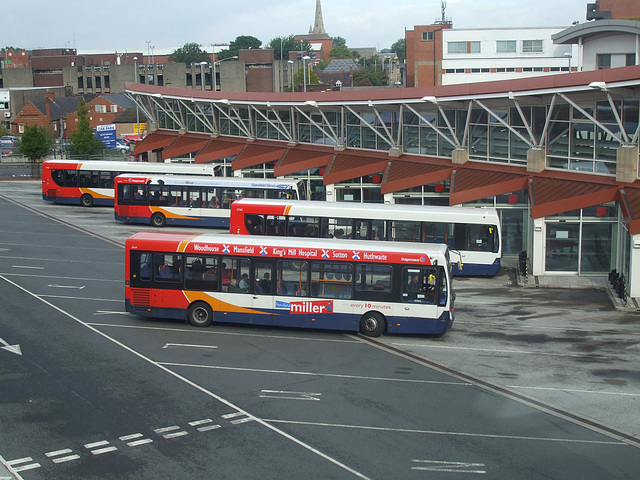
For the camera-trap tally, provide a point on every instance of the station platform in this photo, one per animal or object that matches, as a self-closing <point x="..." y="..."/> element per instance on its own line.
<point x="597" y="282"/>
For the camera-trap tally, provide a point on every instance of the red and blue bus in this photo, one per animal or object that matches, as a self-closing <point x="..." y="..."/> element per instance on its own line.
<point x="91" y="182"/>
<point x="472" y="234"/>
<point x="346" y="285"/>
<point x="202" y="201"/>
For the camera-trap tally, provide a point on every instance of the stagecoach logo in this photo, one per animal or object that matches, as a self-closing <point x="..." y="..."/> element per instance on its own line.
<point x="225" y="248"/>
<point x="315" y="306"/>
<point x="325" y="253"/>
<point x="356" y="255"/>
<point x="263" y="250"/>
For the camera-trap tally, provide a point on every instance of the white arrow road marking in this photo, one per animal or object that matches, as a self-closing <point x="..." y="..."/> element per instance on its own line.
<point x="66" y="286"/>
<point x="285" y="395"/>
<point x="10" y="348"/>
<point x="187" y="345"/>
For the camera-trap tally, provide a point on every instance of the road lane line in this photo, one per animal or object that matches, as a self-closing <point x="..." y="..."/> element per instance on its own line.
<point x="316" y="374"/>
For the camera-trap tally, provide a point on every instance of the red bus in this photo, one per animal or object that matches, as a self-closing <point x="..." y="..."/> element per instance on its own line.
<point x="290" y="282"/>
<point x="91" y="182"/>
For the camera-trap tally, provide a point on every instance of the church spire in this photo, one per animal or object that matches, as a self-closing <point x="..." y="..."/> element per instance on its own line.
<point x="318" y="27"/>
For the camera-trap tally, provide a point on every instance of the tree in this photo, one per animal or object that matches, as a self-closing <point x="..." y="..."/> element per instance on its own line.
<point x="400" y="48"/>
<point x="4" y="131"/>
<point x="189" y="53"/>
<point x="289" y="44"/>
<point x="34" y="144"/>
<point x="242" y="42"/>
<point x="83" y="140"/>
<point x="339" y="41"/>
<point x="369" y="76"/>
<point x="341" y="52"/>
<point x="312" y="76"/>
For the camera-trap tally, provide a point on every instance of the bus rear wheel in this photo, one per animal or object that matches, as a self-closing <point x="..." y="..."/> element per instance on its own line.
<point x="158" y="220"/>
<point x="372" y="324"/>
<point x="200" y="314"/>
<point x="86" y="200"/>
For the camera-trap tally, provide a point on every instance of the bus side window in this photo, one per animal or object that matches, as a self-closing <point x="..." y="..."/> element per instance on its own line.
<point x="254" y="224"/>
<point x="145" y="266"/>
<point x="168" y="268"/>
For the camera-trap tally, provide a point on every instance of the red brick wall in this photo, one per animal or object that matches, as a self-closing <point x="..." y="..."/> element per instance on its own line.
<point x="256" y="56"/>
<point x="30" y="115"/>
<point x="260" y="79"/>
<point x="421" y="57"/>
<point x="621" y="9"/>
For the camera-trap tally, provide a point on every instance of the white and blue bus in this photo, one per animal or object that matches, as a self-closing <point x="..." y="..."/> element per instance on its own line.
<point x="201" y="201"/>
<point x="472" y="234"/>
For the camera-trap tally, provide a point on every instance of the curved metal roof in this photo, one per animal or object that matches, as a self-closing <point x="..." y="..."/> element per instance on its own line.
<point x="599" y="27"/>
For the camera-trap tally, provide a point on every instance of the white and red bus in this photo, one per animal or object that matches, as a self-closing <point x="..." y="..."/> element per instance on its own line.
<point x="290" y="282"/>
<point x="473" y="234"/>
<point x="90" y="182"/>
<point x="202" y="201"/>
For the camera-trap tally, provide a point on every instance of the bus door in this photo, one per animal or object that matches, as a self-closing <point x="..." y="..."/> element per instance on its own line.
<point x="194" y="206"/>
<point x="263" y="301"/>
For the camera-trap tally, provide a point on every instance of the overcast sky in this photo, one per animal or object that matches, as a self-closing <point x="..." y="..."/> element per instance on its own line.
<point x="118" y="25"/>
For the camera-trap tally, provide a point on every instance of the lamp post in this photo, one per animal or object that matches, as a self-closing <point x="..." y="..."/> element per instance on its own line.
<point x="304" y="73"/>
<point x="135" y="69"/>
<point x="148" y="43"/>
<point x="202" y="64"/>
<point x="290" y="62"/>
<point x="215" y="80"/>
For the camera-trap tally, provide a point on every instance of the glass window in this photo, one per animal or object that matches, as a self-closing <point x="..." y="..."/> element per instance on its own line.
<point x="276" y="225"/>
<point x="474" y="47"/>
<point x="604" y="60"/>
<point x="70" y="178"/>
<point x="210" y="197"/>
<point x="201" y="273"/>
<point x="481" y="238"/>
<point x="456" y="47"/>
<point x="532" y="46"/>
<point x="303" y="226"/>
<point x="145" y="267"/>
<point x="235" y="275"/>
<point x="373" y="278"/>
<point x="331" y="280"/>
<point x="419" y="285"/>
<point x="292" y="278"/>
<point x="506" y="46"/>
<point x="88" y="178"/>
<point x="158" y="195"/>
<point x="427" y="36"/>
<point x="254" y="224"/>
<point x="405" y="231"/>
<point x="336" y="228"/>
<point x="168" y="268"/>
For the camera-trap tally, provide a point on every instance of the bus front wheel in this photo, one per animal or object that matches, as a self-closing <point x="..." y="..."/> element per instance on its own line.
<point x="372" y="324"/>
<point x="86" y="200"/>
<point x="200" y="314"/>
<point x="158" y="220"/>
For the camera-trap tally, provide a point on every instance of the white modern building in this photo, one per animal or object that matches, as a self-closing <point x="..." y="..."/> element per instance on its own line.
<point x="482" y="55"/>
